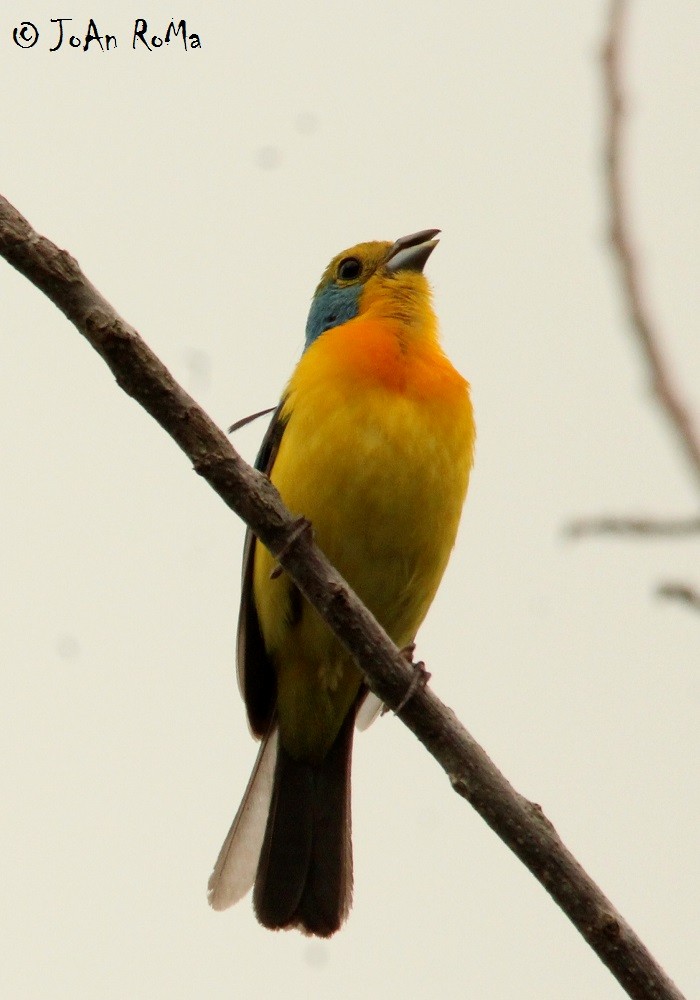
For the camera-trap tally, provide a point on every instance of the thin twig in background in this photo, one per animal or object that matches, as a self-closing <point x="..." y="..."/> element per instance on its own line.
<point x="519" y="823"/>
<point x="647" y="335"/>
<point x="680" y="592"/>
<point x="636" y="526"/>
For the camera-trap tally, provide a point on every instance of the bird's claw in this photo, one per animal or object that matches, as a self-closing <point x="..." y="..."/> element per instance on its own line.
<point x="419" y="679"/>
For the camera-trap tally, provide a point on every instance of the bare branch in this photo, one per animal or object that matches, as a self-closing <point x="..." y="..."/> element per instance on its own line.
<point x="641" y="527"/>
<point x="519" y="823"/>
<point x="647" y="335"/>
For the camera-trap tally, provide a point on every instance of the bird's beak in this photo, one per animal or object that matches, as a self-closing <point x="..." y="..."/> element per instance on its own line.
<point x="410" y="253"/>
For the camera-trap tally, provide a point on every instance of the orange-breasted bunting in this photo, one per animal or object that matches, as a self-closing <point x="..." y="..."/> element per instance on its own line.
<point x="372" y="442"/>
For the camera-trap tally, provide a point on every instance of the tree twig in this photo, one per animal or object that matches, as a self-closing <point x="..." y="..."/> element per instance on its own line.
<point x="647" y="336"/>
<point x="520" y="823"/>
<point x="637" y="526"/>
<point x="680" y="592"/>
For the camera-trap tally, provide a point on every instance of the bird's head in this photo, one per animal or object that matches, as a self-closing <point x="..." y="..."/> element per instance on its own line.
<point x="382" y="277"/>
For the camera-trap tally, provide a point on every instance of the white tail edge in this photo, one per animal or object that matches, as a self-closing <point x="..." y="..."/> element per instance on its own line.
<point x="235" y="868"/>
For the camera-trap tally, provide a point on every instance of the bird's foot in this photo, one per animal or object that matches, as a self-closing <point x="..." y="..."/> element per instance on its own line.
<point x="419" y="679"/>
<point x="300" y="526"/>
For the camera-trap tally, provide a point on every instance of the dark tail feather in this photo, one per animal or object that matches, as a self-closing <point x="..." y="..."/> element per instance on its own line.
<point x="304" y="876"/>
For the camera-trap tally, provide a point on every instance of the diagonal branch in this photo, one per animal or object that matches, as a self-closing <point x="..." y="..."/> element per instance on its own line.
<point x="647" y="336"/>
<point x="518" y="822"/>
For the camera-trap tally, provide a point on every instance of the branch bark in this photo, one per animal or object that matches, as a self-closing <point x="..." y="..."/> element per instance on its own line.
<point x="519" y="823"/>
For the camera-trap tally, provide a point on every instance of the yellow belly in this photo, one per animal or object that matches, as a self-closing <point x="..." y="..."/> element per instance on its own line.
<point x="382" y="476"/>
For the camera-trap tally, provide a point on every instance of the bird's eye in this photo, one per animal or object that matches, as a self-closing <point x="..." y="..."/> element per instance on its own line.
<point x="349" y="269"/>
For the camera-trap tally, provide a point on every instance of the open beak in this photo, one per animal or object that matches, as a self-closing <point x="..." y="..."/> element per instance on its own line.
<point x="410" y="253"/>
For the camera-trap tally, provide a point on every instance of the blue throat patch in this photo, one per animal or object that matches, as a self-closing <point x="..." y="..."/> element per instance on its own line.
<point x="331" y="307"/>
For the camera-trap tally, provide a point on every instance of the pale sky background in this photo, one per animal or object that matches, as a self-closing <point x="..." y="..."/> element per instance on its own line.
<point x="203" y="192"/>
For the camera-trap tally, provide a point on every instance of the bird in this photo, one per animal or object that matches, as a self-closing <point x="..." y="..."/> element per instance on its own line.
<point x="372" y="443"/>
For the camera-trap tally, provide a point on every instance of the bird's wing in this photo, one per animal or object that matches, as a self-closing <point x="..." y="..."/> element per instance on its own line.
<point x="256" y="674"/>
